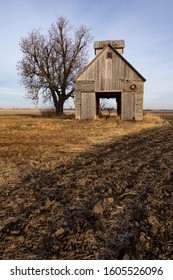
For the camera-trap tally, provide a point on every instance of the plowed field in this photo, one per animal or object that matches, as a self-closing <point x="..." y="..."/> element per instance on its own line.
<point x="86" y="190"/>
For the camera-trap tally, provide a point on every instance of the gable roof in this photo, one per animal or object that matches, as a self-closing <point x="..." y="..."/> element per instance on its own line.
<point x="117" y="53"/>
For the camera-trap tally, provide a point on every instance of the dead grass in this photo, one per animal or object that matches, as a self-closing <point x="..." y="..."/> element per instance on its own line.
<point x="27" y="141"/>
<point x="152" y="118"/>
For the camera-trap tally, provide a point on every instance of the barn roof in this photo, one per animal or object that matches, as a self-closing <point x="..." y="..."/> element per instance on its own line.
<point x="117" y="53"/>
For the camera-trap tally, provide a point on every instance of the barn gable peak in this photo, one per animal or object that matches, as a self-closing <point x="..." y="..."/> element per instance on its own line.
<point x="116" y="44"/>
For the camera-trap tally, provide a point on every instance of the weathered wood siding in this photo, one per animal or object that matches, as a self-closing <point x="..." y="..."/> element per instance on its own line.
<point x="88" y="106"/>
<point x="85" y="100"/>
<point x="109" y="74"/>
<point x="77" y="105"/>
<point x="116" y="44"/>
<point x="128" y="105"/>
<point x="138" y="96"/>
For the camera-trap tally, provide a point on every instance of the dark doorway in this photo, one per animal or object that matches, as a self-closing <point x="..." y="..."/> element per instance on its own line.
<point x="108" y="95"/>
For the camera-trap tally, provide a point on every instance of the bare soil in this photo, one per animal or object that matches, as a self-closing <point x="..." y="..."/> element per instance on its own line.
<point x="86" y="190"/>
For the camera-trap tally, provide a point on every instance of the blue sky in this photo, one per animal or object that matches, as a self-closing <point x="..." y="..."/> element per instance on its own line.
<point x="146" y="26"/>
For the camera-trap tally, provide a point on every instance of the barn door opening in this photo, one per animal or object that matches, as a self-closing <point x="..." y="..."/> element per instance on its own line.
<point x="88" y="106"/>
<point x="108" y="102"/>
<point x="128" y="106"/>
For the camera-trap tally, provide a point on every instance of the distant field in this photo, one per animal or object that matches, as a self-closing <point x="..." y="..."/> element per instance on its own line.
<point x="10" y="112"/>
<point x="78" y="189"/>
<point x="27" y="112"/>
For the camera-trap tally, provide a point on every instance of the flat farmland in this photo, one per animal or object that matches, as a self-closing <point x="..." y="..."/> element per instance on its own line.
<point x="85" y="189"/>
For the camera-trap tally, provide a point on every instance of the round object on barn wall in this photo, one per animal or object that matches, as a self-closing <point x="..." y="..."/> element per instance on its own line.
<point x="133" y="87"/>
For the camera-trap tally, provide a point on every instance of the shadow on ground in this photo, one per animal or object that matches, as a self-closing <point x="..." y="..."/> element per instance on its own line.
<point x="113" y="202"/>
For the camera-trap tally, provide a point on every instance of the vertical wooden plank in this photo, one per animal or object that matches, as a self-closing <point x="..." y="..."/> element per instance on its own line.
<point x="108" y="74"/>
<point x="77" y="105"/>
<point x="128" y="106"/>
<point x="88" y="105"/>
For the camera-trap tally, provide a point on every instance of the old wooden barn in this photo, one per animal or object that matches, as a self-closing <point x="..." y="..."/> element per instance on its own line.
<point x="109" y="75"/>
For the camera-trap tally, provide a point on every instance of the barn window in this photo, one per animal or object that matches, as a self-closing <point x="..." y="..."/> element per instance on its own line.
<point x="109" y="55"/>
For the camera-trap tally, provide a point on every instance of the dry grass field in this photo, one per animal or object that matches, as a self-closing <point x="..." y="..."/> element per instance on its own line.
<point x="85" y="189"/>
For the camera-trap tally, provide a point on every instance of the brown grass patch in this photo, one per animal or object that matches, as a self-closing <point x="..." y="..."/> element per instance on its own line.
<point x="153" y="119"/>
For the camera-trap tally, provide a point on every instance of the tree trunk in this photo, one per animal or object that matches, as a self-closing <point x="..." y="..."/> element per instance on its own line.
<point x="58" y="103"/>
<point x="59" y="108"/>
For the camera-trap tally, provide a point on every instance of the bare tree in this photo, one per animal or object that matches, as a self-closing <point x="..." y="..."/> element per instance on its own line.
<point x="51" y="63"/>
